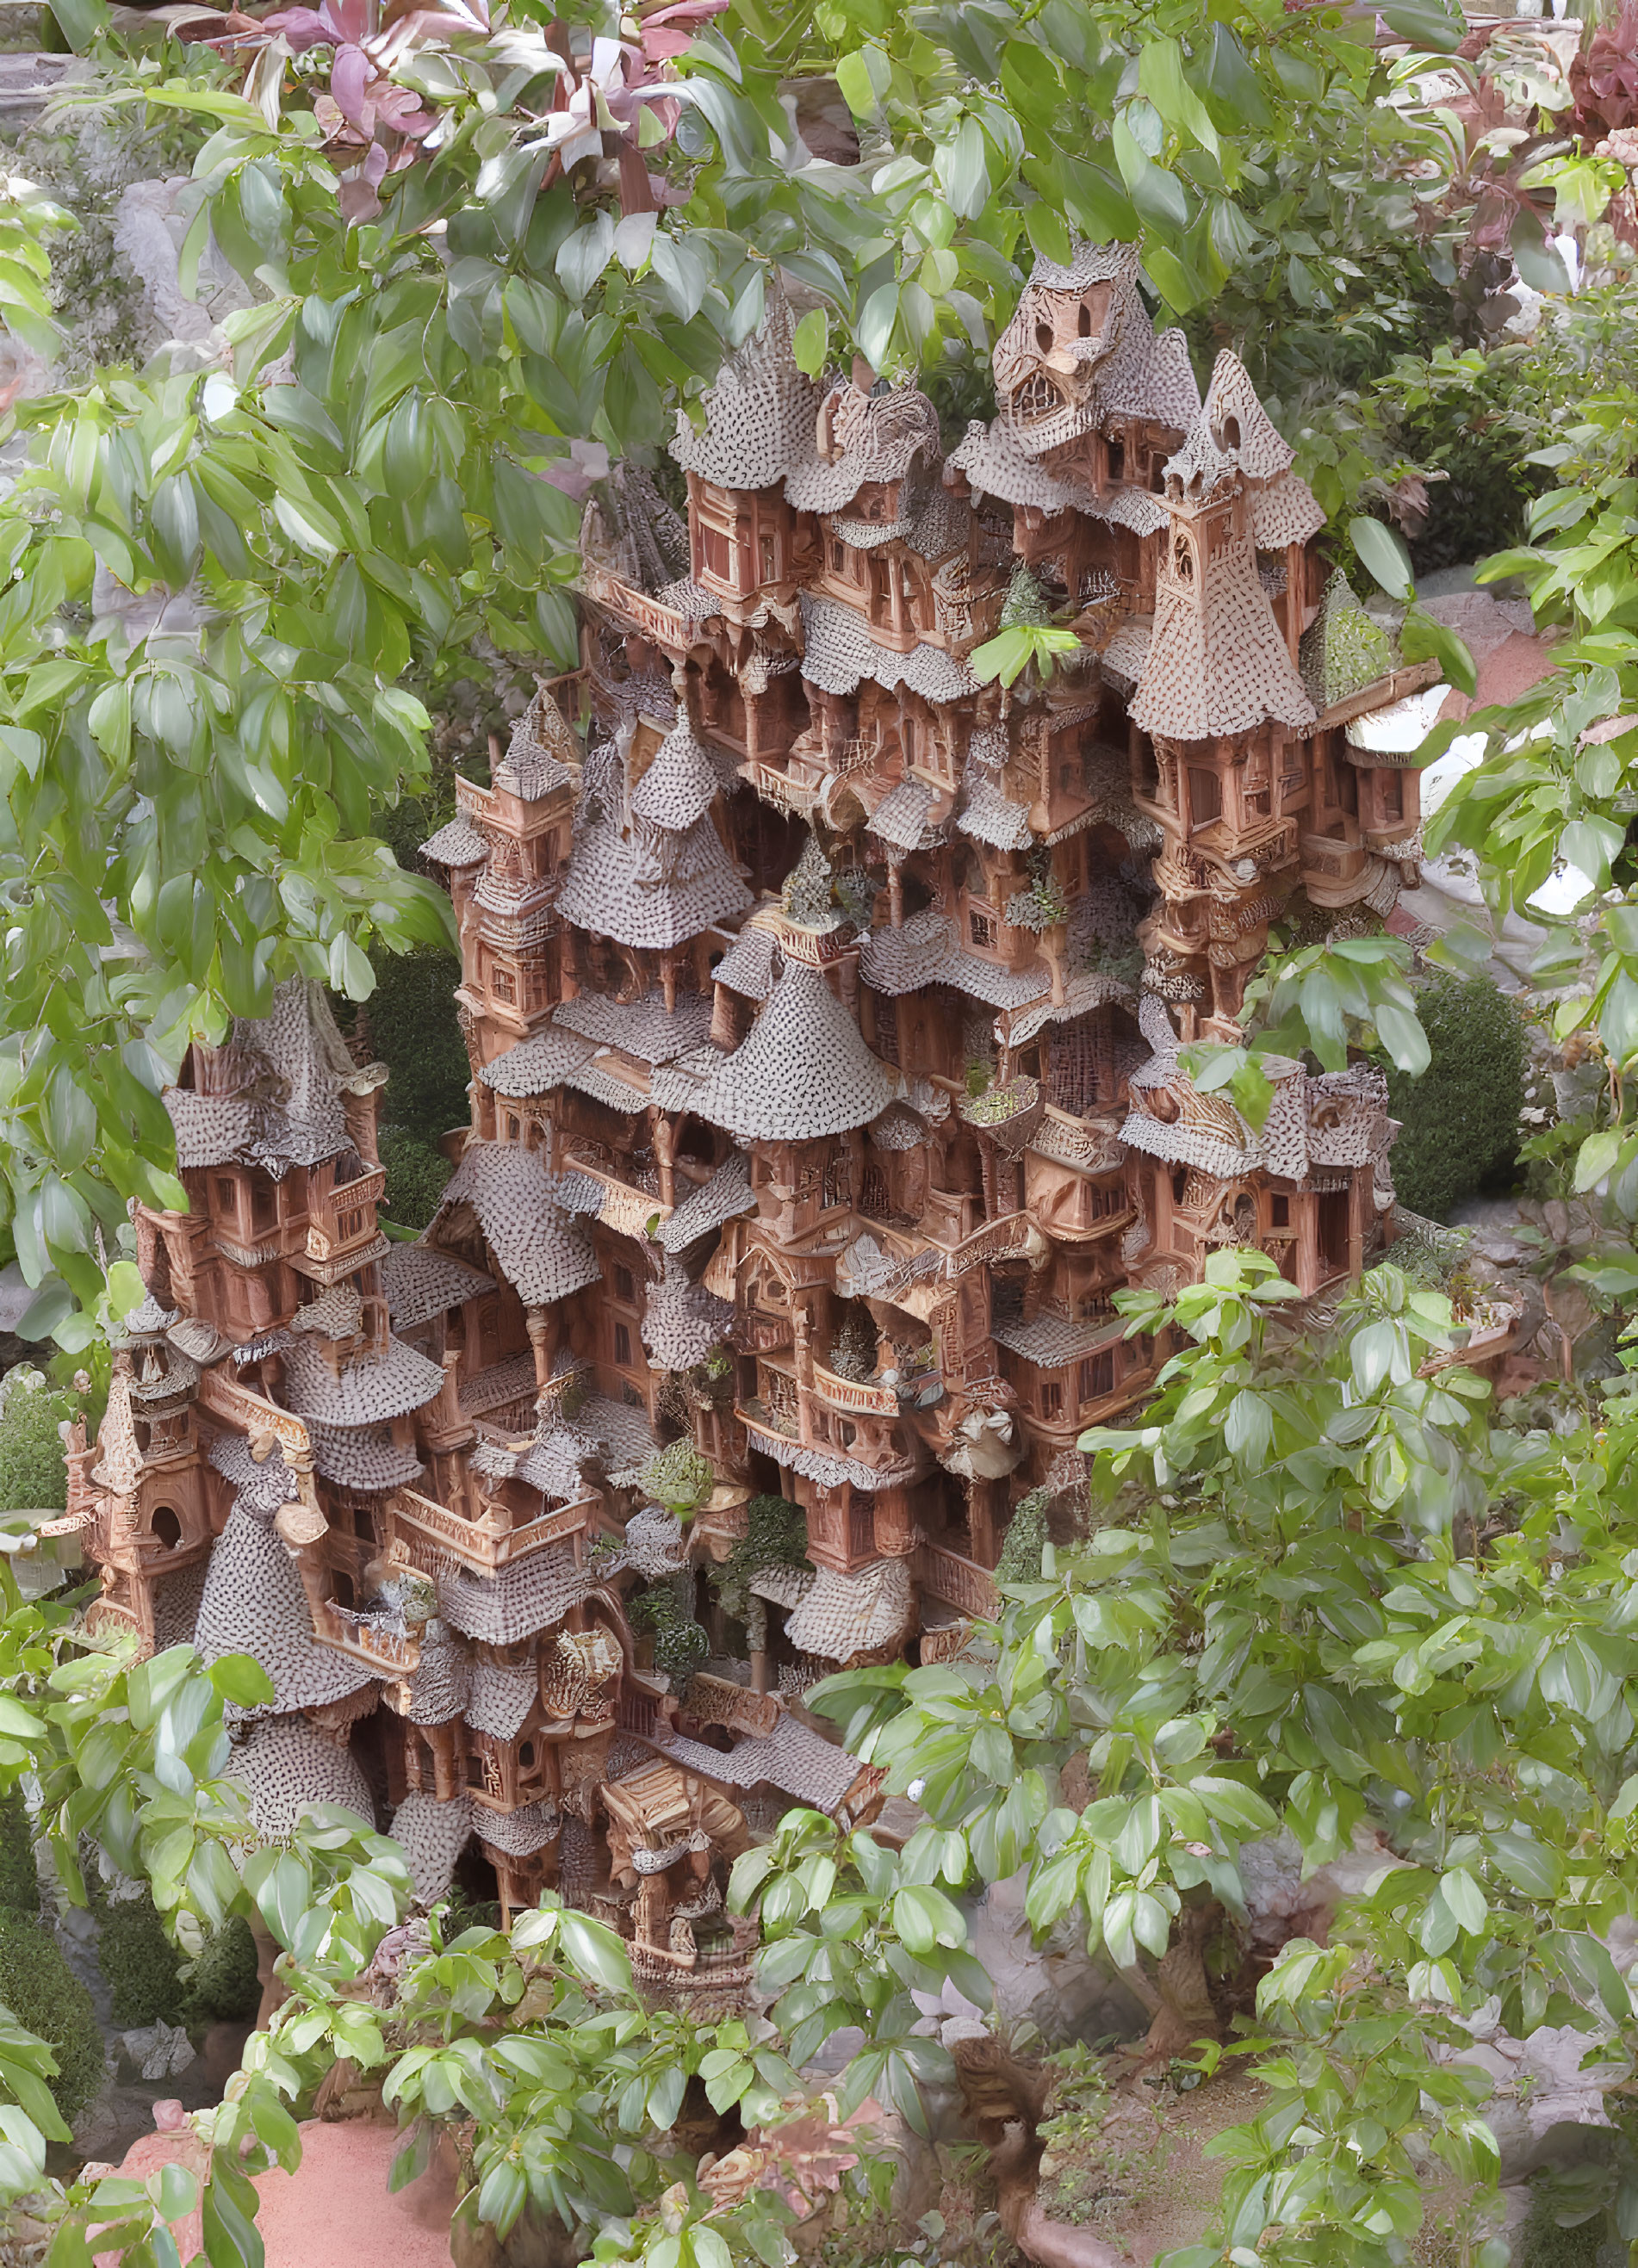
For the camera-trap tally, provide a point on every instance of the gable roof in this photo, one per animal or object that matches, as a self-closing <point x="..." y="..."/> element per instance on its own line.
<point x="540" y="1249"/>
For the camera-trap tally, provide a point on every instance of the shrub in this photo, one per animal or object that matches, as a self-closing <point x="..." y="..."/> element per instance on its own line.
<point x="143" y="1967"/>
<point x="47" y="1998"/>
<point x="1460" y="1118"/>
<point x="33" y="1475"/>
<point x="417" y="1033"/>
<point x="680" y="1644"/>
<point x="1022" y="1548"/>
<point x="20" y="1883"/>
<point x="679" y="1478"/>
<point x="220" y="1985"/>
<point x="416" y="1171"/>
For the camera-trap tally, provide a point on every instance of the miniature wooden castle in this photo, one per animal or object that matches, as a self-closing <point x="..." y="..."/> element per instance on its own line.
<point x="825" y="1007"/>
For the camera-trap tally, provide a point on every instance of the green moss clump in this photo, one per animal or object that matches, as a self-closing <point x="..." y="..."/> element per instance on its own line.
<point x="680" y="1477"/>
<point x="1025" y="1541"/>
<point x="143" y="1967"/>
<point x="1460" y="1119"/>
<point x="1344" y="650"/>
<point x="680" y="1644"/>
<point x="47" y="1998"/>
<point x="775" y="1535"/>
<point x="19" y="1882"/>
<point x="33" y="1473"/>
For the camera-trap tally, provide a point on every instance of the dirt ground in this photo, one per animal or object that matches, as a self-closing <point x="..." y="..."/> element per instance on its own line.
<point x="1173" y="2207"/>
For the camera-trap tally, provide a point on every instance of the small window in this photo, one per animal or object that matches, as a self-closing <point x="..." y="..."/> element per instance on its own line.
<point x="226" y="1195"/>
<point x="849" y="1433"/>
<point x="769" y="562"/>
<point x="631" y="1398"/>
<point x="1097" y="1375"/>
<point x="623" y="1346"/>
<point x="526" y="1756"/>
<point x="1051" y="1398"/>
<point x="167" y="1529"/>
<point x="265" y="1197"/>
<point x="1280" y="1212"/>
<point x="475" y="1771"/>
<point x="1392" y="785"/>
<point x="1206" y="795"/>
<point x="716" y="552"/>
<point x="626" y="1287"/>
<point x="502" y="984"/>
<point x="514" y="1128"/>
<point x="838" y="556"/>
<point x="981" y="927"/>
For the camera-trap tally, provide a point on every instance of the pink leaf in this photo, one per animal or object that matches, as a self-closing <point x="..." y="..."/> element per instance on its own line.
<point x="350" y="18"/>
<point x="350" y="76"/>
<point x="302" y="27"/>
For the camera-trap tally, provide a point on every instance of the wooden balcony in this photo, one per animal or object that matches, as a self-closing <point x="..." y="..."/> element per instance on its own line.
<point x="960" y="1583"/>
<point x="477" y="1543"/>
<point x="861" y="1396"/>
<point x="627" y="1206"/>
<point x="344" y="1221"/>
<point x="381" y="1651"/>
<point x="665" y="626"/>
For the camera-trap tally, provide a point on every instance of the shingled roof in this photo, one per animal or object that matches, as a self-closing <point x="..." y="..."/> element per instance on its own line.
<point x="615" y="886"/>
<point x="254" y="1603"/>
<point x="682" y="1323"/>
<point x="1217" y="662"/>
<point x="273" y="1095"/>
<point x="526" y="1597"/>
<point x="542" y="753"/>
<point x="541" y="1252"/>
<point x="432" y="1836"/>
<point x="798" y="1762"/>
<point x="844" y="1615"/>
<point x="758" y="418"/>
<point x="681" y="784"/>
<point x="420" y="1283"/>
<point x="292" y="1771"/>
<point x="365" y="1391"/>
<point x="726" y="1193"/>
<point x="802" y="1071"/>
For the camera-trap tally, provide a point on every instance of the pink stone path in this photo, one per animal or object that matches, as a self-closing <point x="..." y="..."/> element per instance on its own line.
<point x="335" y="2210"/>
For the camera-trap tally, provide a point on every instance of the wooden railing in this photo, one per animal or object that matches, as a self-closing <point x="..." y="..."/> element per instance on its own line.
<point x="960" y="1583"/>
<point x="998" y="1239"/>
<point x="477" y="1543"/>
<point x="345" y="1216"/>
<point x="378" y="1648"/>
<point x="665" y="625"/>
<point x="854" y="1394"/>
<point x="625" y="1207"/>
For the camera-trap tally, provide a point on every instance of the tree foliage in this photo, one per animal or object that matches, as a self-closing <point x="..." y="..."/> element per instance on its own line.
<point x="1459" y="1122"/>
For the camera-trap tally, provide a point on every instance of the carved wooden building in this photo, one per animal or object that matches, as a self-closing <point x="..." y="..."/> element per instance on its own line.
<point x="825" y="1008"/>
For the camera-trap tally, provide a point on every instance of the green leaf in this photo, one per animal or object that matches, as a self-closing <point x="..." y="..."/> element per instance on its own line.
<point x="810" y="343"/>
<point x="241" y="1678"/>
<point x="1422" y="639"/>
<point x="1383" y="555"/>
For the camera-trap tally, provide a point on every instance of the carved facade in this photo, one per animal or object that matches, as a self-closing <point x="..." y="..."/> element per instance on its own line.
<point x="825" y="1009"/>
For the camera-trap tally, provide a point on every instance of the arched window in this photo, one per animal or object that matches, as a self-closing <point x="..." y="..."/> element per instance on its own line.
<point x="166" y="1528"/>
<point x="1183" y="560"/>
